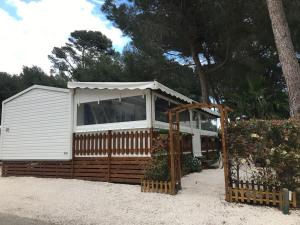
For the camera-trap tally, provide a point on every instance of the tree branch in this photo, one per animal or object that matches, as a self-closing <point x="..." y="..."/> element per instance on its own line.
<point x="224" y="61"/>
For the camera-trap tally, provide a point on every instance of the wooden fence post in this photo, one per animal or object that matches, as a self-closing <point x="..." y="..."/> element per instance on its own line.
<point x="285" y="201"/>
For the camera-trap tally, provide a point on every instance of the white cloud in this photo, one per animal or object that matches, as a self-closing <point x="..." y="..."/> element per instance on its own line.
<point x="43" y="25"/>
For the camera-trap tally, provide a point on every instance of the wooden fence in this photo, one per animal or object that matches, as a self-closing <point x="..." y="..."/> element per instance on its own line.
<point x="156" y="186"/>
<point x="258" y="193"/>
<point x="115" y="169"/>
<point x="114" y="143"/>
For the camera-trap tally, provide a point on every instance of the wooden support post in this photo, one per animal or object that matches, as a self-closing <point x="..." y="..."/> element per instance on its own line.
<point x="109" y="142"/>
<point x="224" y="149"/>
<point x="171" y="154"/>
<point x="285" y="201"/>
<point x="178" y="152"/>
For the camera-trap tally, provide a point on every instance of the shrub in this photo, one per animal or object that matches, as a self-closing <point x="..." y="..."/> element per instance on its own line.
<point x="266" y="151"/>
<point x="190" y="164"/>
<point x="158" y="169"/>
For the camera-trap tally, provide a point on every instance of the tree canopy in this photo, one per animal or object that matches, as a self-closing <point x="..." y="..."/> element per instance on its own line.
<point x="87" y="56"/>
<point x="224" y="47"/>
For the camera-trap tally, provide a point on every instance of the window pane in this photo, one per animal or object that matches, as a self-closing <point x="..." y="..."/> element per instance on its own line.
<point x="112" y="111"/>
<point x="184" y="118"/>
<point x="208" y="122"/>
<point x="161" y="107"/>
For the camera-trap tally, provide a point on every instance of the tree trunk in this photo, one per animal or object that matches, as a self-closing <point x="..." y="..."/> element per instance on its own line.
<point x="201" y="76"/>
<point x="286" y="52"/>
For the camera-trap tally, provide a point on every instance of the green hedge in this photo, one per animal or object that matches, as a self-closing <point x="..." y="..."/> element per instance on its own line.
<point x="190" y="164"/>
<point x="268" y="150"/>
<point x="158" y="169"/>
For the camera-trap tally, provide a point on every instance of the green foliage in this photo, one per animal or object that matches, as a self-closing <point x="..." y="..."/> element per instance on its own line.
<point x="268" y="151"/>
<point x="87" y="56"/>
<point x="190" y="164"/>
<point x="234" y="40"/>
<point x="35" y="75"/>
<point x="258" y="98"/>
<point x="158" y="169"/>
<point x="142" y="66"/>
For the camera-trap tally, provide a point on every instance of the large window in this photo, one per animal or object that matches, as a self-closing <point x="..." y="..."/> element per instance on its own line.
<point x="161" y="107"/>
<point x="112" y="111"/>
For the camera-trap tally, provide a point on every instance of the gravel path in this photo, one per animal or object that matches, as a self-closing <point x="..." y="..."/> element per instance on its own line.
<point x="82" y="202"/>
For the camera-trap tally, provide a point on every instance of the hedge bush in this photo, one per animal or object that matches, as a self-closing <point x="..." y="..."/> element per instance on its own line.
<point x="268" y="151"/>
<point x="158" y="169"/>
<point x="190" y="164"/>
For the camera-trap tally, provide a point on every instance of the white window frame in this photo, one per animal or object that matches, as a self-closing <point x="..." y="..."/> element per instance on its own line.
<point x="140" y="124"/>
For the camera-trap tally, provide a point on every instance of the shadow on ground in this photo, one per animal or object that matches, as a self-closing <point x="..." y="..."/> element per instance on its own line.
<point x="7" y="219"/>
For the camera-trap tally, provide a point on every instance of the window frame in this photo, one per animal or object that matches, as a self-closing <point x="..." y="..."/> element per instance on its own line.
<point x="138" y="124"/>
<point x="165" y="125"/>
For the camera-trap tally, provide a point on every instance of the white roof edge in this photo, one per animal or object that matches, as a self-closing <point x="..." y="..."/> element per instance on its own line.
<point x="36" y="87"/>
<point x="153" y="85"/>
<point x="169" y="91"/>
<point x="211" y="112"/>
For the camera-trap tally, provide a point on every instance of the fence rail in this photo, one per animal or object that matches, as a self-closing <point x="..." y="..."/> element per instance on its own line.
<point x="114" y="143"/>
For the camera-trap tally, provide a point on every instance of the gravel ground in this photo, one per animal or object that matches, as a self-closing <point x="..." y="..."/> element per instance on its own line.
<point x="82" y="202"/>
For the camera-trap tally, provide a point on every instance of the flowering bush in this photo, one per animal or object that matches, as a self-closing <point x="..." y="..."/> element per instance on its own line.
<point x="265" y="151"/>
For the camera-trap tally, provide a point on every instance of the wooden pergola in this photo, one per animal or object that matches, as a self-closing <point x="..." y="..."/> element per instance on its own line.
<point x="174" y="139"/>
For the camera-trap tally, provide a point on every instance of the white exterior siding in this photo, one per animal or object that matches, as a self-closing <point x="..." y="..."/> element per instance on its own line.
<point x="36" y="125"/>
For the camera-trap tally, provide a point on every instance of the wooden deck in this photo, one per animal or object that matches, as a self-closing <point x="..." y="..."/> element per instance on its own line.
<point x="119" y="156"/>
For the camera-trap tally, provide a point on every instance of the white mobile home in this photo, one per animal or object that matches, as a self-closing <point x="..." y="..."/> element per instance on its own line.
<point x="106" y="122"/>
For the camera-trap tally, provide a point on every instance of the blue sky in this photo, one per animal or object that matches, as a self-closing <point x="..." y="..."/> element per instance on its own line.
<point x="29" y="29"/>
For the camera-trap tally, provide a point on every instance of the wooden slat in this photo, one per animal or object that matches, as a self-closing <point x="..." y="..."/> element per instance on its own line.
<point x="136" y="142"/>
<point x="81" y="138"/>
<point x="97" y="144"/>
<point x="141" y="137"/>
<point x="104" y="144"/>
<point x="127" y="143"/>
<point x="118" y="144"/>
<point x="114" y="143"/>
<point x="123" y="146"/>
<point x="147" y="142"/>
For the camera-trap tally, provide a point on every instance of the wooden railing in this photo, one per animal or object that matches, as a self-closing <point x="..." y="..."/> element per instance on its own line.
<point x="258" y="193"/>
<point x="156" y="186"/>
<point x="114" y="143"/>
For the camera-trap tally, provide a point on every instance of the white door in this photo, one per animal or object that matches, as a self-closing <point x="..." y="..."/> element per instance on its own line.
<point x="196" y="134"/>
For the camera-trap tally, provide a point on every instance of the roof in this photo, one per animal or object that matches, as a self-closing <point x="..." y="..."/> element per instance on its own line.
<point x="35" y="87"/>
<point x="153" y="85"/>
